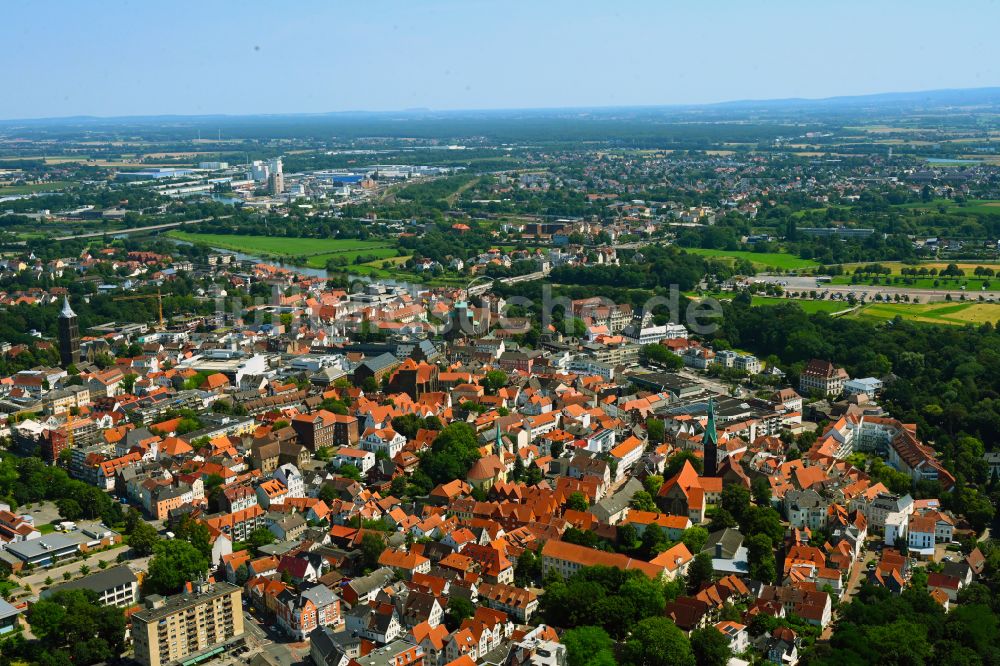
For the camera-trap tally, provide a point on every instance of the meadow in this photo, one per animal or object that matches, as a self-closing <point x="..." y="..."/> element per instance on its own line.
<point x="31" y="188"/>
<point x="954" y="314"/>
<point x="762" y="260"/>
<point x="807" y="306"/>
<point x="975" y="206"/>
<point x="971" y="283"/>
<point x="317" y="251"/>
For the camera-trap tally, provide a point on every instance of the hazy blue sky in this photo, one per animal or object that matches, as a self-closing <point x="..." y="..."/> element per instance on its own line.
<point x="114" y="57"/>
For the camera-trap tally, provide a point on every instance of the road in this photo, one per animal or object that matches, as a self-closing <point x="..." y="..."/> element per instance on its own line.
<point x="486" y="286"/>
<point x="259" y="639"/>
<point x="854" y="582"/>
<point x="808" y="284"/>
<point x="136" y="230"/>
<point x="711" y="383"/>
<point x="36" y="579"/>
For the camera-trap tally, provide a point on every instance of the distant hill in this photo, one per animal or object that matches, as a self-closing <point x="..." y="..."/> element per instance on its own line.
<point x="981" y="98"/>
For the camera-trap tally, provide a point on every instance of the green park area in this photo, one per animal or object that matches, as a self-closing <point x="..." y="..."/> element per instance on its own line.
<point x="808" y="306"/>
<point x="955" y="314"/>
<point x="315" y="252"/>
<point x="966" y="276"/>
<point x="760" y="260"/>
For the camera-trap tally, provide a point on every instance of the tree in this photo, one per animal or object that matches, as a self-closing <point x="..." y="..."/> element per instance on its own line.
<point x="721" y="520"/>
<point x="761" y="491"/>
<point x="261" y="537"/>
<point x="69" y="509"/>
<point x="528" y="568"/>
<point x="653" y="540"/>
<point x="655" y="429"/>
<point x="660" y="355"/>
<point x="656" y="641"/>
<point x="588" y="646"/>
<point x="763" y="520"/>
<point x="760" y="557"/>
<point x="495" y="380"/>
<point x="710" y="647"/>
<point x="643" y="501"/>
<point x="72" y="627"/>
<point x="174" y="563"/>
<point x="676" y="462"/>
<point x="700" y="571"/>
<point x="452" y="453"/>
<point x="736" y="500"/>
<point x="628" y="538"/>
<point x="198" y="536"/>
<point x="372" y="546"/>
<point x="350" y="471"/>
<point x="652" y="484"/>
<point x="695" y="538"/>
<point x="459" y="608"/>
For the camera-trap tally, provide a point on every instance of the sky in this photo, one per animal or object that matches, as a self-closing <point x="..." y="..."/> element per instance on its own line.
<point x="141" y="57"/>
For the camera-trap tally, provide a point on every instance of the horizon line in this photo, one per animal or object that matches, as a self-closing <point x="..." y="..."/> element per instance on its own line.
<point x="431" y="110"/>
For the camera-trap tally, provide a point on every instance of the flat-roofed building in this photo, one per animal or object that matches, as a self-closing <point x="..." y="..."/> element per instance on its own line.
<point x="187" y="627"/>
<point x="117" y="586"/>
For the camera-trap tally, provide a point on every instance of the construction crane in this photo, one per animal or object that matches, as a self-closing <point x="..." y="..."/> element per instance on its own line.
<point x="159" y="301"/>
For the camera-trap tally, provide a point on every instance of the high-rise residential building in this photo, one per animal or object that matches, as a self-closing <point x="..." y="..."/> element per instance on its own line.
<point x="69" y="335"/>
<point x="259" y="171"/>
<point x="276" y="180"/>
<point x="197" y="623"/>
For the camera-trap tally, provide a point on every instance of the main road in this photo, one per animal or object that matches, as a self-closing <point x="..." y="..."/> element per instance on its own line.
<point x="136" y="230"/>
<point x="809" y="284"/>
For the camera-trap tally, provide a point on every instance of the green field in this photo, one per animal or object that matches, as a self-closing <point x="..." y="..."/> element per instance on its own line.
<point x="52" y="186"/>
<point x="974" y="206"/>
<point x="808" y="306"/>
<point x="781" y="260"/>
<point x="317" y="251"/>
<point x="955" y="314"/>
<point x="971" y="283"/>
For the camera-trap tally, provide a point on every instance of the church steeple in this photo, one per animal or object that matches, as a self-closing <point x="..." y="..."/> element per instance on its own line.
<point x="69" y="336"/>
<point x="710" y="441"/>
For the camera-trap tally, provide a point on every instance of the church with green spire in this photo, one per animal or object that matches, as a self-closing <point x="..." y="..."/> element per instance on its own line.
<point x="710" y="442"/>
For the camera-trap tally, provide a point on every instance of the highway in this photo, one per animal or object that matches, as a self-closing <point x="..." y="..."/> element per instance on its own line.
<point x="808" y="284"/>
<point x="136" y="230"/>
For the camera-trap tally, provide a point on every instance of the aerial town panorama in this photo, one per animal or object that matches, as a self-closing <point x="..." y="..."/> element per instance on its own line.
<point x="682" y="383"/>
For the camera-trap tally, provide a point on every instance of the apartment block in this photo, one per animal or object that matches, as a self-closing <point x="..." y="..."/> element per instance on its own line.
<point x="199" y="622"/>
